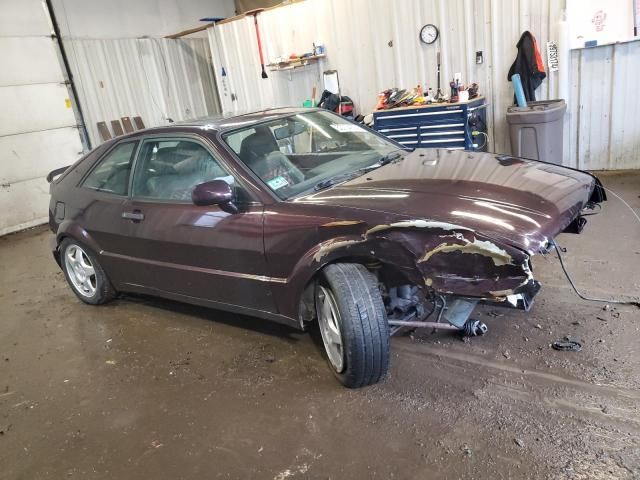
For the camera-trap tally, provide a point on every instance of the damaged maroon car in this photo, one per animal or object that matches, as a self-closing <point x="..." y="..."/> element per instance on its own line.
<point x="300" y="216"/>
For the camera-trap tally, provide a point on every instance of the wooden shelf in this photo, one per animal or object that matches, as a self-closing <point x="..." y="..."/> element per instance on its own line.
<point x="294" y="63"/>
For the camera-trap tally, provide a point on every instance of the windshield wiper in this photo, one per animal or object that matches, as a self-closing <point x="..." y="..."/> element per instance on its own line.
<point x="385" y="160"/>
<point x="331" y="181"/>
<point x="390" y="157"/>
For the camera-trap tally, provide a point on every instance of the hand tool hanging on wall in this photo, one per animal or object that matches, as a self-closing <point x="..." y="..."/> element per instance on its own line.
<point x="255" y="13"/>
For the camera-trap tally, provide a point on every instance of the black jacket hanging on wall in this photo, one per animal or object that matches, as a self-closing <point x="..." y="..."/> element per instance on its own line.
<point x="529" y="65"/>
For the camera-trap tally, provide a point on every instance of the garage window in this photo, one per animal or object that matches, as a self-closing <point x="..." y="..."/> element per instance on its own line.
<point x="111" y="175"/>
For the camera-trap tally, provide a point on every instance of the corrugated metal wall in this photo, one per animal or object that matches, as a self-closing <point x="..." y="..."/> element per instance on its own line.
<point x="605" y="130"/>
<point x="234" y="48"/>
<point x="358" y="35"/>
<point x="157" y="79"/>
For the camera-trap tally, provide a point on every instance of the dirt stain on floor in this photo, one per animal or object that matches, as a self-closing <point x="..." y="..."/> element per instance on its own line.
<point x="145" y="388"/>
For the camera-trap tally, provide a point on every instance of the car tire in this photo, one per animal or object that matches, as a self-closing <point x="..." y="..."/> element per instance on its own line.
<point x="351" y="313"/>
<point x="84" y="274"/>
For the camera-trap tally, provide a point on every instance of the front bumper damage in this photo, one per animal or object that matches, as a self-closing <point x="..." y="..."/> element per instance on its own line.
<point x="459" y="270"/>
<point x="434" y="274"/>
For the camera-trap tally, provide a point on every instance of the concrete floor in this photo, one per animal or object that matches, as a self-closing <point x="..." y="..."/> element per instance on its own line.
<point x="144" y="388"/>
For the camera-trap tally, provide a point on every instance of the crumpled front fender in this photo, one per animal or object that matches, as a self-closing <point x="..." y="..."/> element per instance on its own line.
<point x="446" y="258"/>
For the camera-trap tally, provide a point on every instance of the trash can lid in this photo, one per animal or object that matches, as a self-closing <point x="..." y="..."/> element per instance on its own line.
<point x="539" y="106"/>
<point x="537" y="112"/>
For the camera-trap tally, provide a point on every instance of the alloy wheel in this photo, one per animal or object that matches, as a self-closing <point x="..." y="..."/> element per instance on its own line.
<point x="80" y="270"/>
<point x="329" y="322"/>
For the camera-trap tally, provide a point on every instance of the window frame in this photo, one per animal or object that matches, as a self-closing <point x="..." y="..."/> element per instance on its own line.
<point x="178" y="138"/>
<point x="103" y="157"/>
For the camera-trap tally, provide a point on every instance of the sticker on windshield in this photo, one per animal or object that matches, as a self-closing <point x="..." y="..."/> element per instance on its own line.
<point x="278" y="182"/>
<point x="347" y="128"/>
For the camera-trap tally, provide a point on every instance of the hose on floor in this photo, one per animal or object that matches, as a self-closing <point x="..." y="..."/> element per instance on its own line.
<point x="635" y="214"/>
<point x="575" y="289"/>
<point x="564" y="268"/>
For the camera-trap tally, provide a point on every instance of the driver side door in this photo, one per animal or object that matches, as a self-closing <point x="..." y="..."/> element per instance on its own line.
<point x="191" y="252"/>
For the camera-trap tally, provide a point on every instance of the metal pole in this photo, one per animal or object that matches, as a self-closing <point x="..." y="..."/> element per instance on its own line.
<point x="417" y="324"/>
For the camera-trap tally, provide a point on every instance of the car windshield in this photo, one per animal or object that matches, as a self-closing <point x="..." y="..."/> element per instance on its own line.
<point x="307" y="151"/>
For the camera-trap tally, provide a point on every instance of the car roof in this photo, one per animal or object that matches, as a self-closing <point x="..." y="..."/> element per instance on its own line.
<point x="229" y="121"/>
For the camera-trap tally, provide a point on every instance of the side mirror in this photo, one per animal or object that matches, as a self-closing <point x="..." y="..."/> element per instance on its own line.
<point x="215" y="192"/>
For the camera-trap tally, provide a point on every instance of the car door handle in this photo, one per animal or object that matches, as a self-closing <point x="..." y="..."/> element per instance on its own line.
<point x="136" y="216"/>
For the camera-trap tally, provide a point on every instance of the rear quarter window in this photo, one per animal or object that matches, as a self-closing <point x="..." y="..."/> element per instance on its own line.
<point x="112" y="172"/>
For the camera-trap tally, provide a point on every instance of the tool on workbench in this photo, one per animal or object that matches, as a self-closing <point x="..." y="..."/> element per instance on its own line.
<point x="454" y="92"/>
<point x="255" y="13"/>
<point x="463" y="94"/>
<point x="473" y="90"/>
<point x="439" y="95"/>
<point x="429" y="98"/>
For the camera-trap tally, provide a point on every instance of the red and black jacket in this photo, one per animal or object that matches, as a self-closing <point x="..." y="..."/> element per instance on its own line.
<point x="529" y="65"/>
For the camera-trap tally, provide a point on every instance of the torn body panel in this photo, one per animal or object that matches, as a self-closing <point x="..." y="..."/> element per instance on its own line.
<point x="444" y="228"/>
<point x="440" y="258"/>
<point x="448" y="259"/>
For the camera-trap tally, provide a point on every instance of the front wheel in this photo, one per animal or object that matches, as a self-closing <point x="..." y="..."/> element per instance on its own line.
<point x="353" y="324"/>
<point x="84" y="274"/>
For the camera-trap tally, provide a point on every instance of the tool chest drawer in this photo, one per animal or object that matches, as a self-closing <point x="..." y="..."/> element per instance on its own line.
<point x="442" y="125"/>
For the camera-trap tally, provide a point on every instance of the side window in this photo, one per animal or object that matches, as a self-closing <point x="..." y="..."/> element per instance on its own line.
<point x="112" y="172"/>
<point x="171" y="169"/>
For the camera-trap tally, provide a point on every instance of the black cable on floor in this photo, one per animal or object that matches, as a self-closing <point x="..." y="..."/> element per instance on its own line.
<point x="584" y="297"/>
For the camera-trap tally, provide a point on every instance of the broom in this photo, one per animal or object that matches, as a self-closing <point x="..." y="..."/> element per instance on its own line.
<point x="255" y="22"/>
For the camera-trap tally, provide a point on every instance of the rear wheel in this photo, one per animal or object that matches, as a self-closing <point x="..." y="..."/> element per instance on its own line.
<point x="353" y="324"/>
<point x="84" y="274"/>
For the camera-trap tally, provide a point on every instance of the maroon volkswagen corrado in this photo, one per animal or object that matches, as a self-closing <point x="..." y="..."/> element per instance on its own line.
<point x="299" y="215"/>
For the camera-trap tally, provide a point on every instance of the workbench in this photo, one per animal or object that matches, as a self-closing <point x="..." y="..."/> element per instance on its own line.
<point x="439" y="125"/>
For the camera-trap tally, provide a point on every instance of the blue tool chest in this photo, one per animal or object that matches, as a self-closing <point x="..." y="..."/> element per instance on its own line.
<point x="439" y="125"/>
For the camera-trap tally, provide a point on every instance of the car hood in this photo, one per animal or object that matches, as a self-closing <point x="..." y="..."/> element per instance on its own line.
<point x="522" y="202"/>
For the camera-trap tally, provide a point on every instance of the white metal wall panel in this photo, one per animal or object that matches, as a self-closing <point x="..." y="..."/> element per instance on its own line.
<point x="23" y="18"/>
<point x="595" y="120"/>
<point x="26" y="159"/>
<point x="34" y="107"/>
<point x="607" y="120"/>
<point x="29" y="60"/>
<point x="243" y="74"/>
<point x="37" y="127"/>
<point x="32" y="155"/>
<point x="625" y="107"/>
<point x="357" y="34"/>
<point x="99" y="19"/>
<point x="24" y="204"/>
<point x="157" y="79"/>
